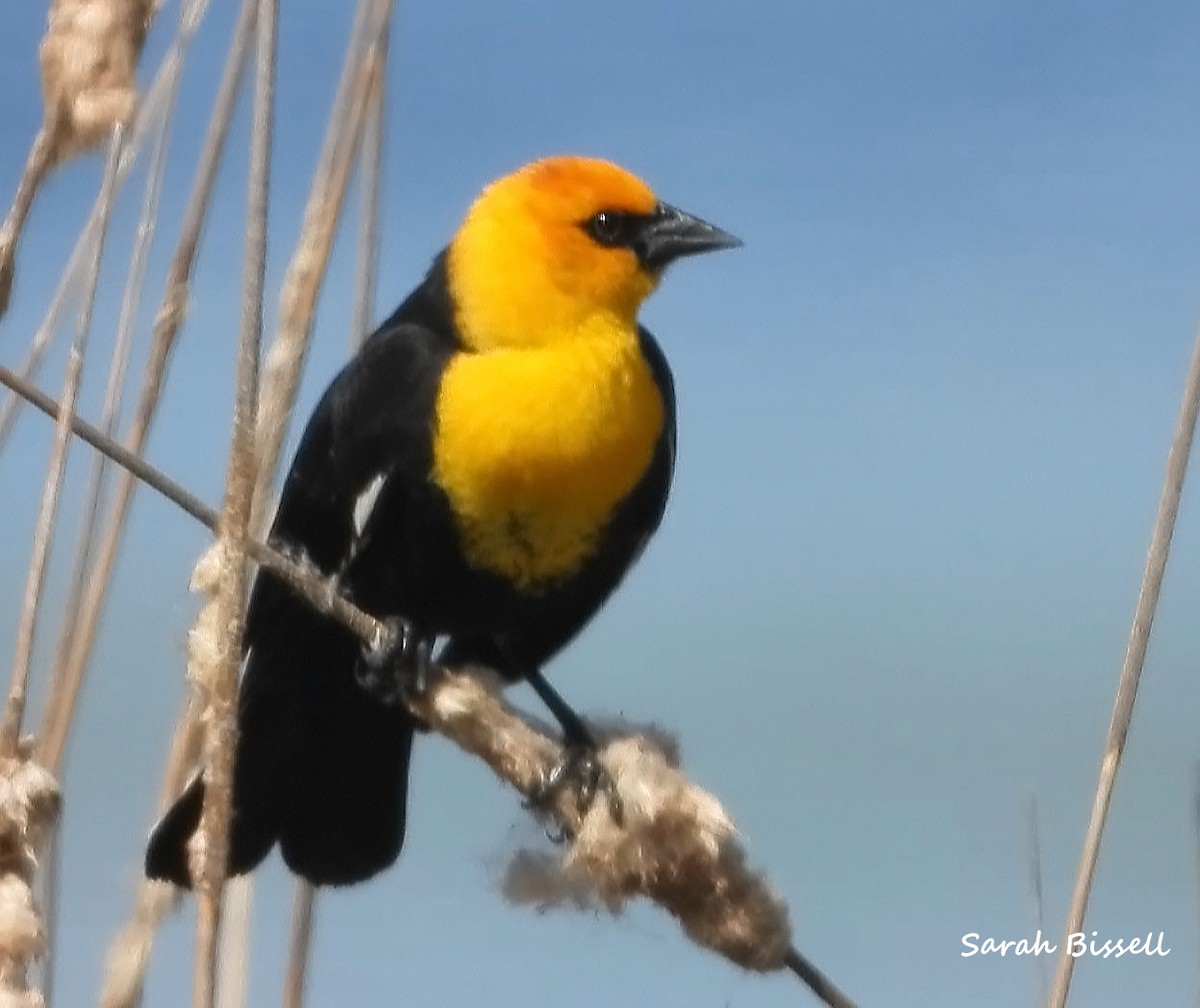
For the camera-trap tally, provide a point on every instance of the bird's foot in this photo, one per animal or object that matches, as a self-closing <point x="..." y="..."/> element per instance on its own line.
<point x="398" y="665"/>
<point x="580" y="769"/>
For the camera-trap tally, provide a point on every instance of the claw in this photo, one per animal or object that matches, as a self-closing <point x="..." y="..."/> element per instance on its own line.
<point x="398" y="665"/>
<point x="579" y="767"/>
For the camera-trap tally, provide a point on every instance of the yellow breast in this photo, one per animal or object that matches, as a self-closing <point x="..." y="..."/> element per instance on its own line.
<point x="534" y="448"/>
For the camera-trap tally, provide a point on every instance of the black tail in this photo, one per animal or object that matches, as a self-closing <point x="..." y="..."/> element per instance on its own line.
<point x="321" y="766"/>
<point x="166" y="853"/>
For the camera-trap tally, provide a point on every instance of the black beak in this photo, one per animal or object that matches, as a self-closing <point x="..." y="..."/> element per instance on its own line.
<point x="670" y="234"/>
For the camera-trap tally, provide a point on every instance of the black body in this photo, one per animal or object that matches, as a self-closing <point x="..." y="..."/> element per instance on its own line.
<point x="321" y="764"/>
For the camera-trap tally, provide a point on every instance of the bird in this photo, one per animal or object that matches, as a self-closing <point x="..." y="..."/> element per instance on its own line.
<point x="485" y="469"/>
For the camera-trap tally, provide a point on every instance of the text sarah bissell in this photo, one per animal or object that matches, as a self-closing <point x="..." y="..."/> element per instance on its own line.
<point x="1078" y="944"/>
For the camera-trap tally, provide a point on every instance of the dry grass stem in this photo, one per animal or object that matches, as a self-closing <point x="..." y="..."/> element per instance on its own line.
<point x="370" y="173"/>
<point x="47" y="520"/>
<point x="220" y="685"/>
<point x="129" y="954"/>
<point x="65" y="689"/>
<point x="1131" y="669"/>
<point x="320" y="592"/>
<point x="1196" y="854"/>
<point x="233" y="956"/>
<point x="1033" y="853"/>
<point x="56" y="469"/>
<point x="294" y="338"/>
<point x="127" y="460"/>
<point x="37" y="167"/>
<point x="98" y="474"/>
<point x="88" y="58"/>
<point x="151" y="114"/>
<point x="302" y="281"/>
<point x="299" y="943"/>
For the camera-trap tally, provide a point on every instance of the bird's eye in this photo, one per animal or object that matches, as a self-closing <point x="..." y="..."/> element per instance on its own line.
<point x="608" y="227"/>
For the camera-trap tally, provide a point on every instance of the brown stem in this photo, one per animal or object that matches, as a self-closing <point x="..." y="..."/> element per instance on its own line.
<point x="65" y="690"/>
<point x="299" y="943"/>
<point x="306" y="269"/>
<point x="221" y="713"/>
<point x="1131" y="670"/>
<point x="48" y="511"/>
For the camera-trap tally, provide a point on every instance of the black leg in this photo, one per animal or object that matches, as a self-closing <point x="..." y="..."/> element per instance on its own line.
<point x="580" y="764"/>
<point x="575" y="732"/>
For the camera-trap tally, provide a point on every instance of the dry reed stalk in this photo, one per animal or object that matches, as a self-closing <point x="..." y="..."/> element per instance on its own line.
<point x="233" y="956"/>
<point x="1196" y="853"/>
<point x="306" y="270"/>
<point x="48" y="510"/>
<point x="676" y="845"/>
<point x="37" y="167"/>
<point x="129" y="953"/>
<point x="1131" y="669"/>
<point x="98" y="475"/>
<point x="133" y="464"/>
<point x="370" y="175"/>
<point x="93" y="495"/>
<point x="132" y="947"/>
<point x="24" y="832"/>
<point x="152" y="111"/>
<point x="361" y="76"/>
<point x="32" y="362"/>
<point x="219" y="680"/>
<point x="88" y="58"/>
<point x="67" y="678"/>
<point x="299" y="943"/>
<point x="367" y="256"/>
<point x="1033" y="856"/>
<point x="84" y="251"/>
<point x="320" y="592"/>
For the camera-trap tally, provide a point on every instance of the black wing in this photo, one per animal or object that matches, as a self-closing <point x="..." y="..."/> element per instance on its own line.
<point x="657" y="481"/>
<point x="371" y="429"/>
<point x="322" y="766"/>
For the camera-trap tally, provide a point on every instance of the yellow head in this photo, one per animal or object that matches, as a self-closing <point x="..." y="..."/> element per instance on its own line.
<point x="561" y="247"/>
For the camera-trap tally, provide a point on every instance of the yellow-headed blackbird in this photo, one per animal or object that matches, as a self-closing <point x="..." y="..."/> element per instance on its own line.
<point x="487" y="467"/>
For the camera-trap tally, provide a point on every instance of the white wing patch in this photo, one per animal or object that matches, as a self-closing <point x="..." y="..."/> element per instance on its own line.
<point x="364" y="504"/>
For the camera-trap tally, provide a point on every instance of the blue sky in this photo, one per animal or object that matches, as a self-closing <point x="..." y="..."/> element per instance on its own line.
<point x="923" y="419"/>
